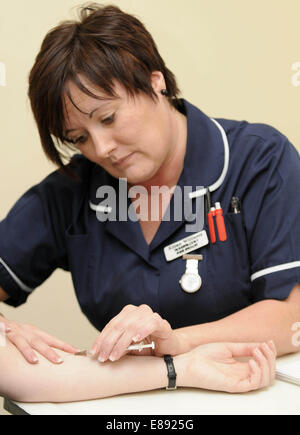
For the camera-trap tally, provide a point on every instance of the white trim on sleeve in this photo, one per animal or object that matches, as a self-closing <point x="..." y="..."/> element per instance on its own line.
<point x="15" y="278"/>
<point x="275" y="269"/>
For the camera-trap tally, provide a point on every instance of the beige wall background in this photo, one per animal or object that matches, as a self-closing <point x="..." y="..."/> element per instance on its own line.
<point x="236" y="59"/>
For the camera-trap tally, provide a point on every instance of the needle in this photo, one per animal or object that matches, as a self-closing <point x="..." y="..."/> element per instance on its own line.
<point x="139" y="347"/>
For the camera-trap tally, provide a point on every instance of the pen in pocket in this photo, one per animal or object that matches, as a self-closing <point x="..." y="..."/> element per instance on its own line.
<point x="236" y="205"/>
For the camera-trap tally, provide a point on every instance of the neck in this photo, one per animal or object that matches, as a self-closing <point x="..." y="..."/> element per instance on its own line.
<point x="170" y="171"/>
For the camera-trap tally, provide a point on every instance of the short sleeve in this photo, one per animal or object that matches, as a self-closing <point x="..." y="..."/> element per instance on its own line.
<point x="32" y="236"/>
<point x="271" y="208"/>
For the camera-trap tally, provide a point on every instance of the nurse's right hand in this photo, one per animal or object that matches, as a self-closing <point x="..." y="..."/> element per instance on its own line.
<point x="28" y="340"/>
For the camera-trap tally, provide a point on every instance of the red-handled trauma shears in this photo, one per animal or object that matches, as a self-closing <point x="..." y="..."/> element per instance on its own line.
<point x="216" y="212"/>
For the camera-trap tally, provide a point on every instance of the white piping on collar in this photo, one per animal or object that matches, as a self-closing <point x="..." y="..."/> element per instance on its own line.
<point x="100" y="208"/>
<point x="219" y="182"/>
<point x="197" y="193"/>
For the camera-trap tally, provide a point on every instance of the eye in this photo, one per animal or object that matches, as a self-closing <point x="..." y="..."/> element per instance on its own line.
<point x="79" y="140"/>
<point x="109" y="120"/>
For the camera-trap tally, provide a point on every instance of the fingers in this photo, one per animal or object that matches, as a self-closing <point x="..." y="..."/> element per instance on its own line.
<point x="270" y="353"/>
<point x="24" y="348"/>
<point x="255" y="377"/>
<point x="242" y="349"/>
<point x="46" y="342"/>
<point x="261" y="368"/>
<point x="263" y="365"/>
<point x="265" y="356"/>
<point x="133" y="324"/>
<point x="108" y="344"/>
<point x="110" y="335"/>
<point x="58" y="344"/>
<point x="40" y="342"/>
<point x="42" y="348"/>
<point x="129" y="336"/>
<point x="27" y="349"/>
<point x="247" y="349"/>
<point x="4" y="327"/>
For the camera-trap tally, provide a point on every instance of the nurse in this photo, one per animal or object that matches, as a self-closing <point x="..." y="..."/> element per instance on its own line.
<point x="221" y="264"/>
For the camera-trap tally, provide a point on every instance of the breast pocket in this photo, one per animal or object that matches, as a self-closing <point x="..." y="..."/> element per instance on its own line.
<point x="229" y="267"/>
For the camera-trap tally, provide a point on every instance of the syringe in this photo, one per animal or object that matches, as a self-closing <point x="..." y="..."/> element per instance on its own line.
<point x="141" y="346"/>
<point x="138" y="346"/>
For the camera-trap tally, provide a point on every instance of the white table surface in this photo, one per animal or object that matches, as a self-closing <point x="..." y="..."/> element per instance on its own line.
<point x="279" y="398"/>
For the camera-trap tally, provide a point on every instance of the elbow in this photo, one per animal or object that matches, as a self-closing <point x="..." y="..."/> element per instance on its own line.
<point x="15" y="380"/>
<point x="17" y="388"/>
<point x="12" y="386"/>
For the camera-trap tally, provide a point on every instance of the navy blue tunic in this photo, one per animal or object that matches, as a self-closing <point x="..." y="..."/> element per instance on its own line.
<point x="53" y="226"/>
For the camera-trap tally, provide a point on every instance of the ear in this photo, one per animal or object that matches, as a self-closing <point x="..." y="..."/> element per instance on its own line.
<point x="158" y="81"/>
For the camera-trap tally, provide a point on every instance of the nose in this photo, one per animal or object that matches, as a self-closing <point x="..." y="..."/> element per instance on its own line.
<point x="104" y="145"/>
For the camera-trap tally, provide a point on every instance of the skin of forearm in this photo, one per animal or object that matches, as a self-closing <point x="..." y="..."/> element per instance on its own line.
<point x="260" y="322"/>
<point x="80" y="378"/>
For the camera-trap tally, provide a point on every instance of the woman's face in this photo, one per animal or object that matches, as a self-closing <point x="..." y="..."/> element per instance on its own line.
<point x="129" y="137"/>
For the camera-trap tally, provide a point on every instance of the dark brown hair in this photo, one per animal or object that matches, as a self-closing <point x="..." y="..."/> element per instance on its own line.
<point x="104" y="46"/>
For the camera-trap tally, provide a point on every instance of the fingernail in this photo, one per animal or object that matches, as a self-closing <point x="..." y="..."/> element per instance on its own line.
<point x="34" y="359"/>
<point x="90" y="353"/>
<point x="136" y="338"/>
<point x="258" y="352"/>
<point x="101" y="359"/>
<point x="93" y="351"/>
<point x="58" y="360"/>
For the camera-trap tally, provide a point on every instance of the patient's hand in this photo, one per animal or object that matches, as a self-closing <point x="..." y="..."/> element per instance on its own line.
<point x="214" y="367"/>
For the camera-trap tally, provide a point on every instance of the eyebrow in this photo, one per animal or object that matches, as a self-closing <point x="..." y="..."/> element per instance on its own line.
<point x="90" y="117"/>
<point x="93" y="111"/>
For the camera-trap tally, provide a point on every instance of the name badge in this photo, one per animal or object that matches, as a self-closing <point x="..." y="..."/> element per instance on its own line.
<point x="184" y="246"/>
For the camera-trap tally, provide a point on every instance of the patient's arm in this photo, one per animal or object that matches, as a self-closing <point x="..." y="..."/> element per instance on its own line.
<point x="77" y="378"/>
<point x="211" y="366"/>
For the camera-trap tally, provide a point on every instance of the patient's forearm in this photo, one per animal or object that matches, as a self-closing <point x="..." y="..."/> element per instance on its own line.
<point x="78" y="378"/>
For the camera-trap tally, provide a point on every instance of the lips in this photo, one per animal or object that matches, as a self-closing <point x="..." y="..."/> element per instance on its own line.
<point x="122" y="161"/>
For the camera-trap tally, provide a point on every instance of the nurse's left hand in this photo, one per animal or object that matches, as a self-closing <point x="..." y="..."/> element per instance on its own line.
<point x="133" y="325"/>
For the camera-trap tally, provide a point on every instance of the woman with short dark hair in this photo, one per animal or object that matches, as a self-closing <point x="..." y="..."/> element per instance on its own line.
<point x="106" y="46"/>
<point x="100" y="87"/>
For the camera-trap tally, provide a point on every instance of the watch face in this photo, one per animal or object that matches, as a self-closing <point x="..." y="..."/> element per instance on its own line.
<point x="190" y="282"/>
